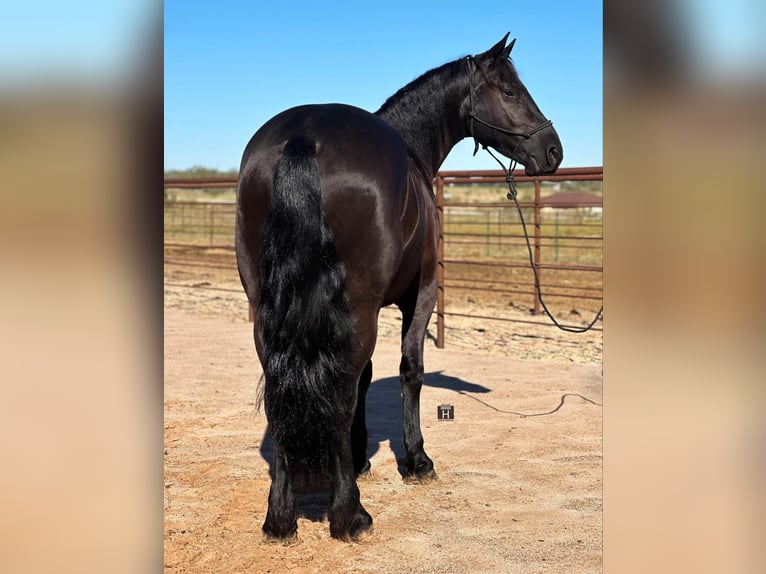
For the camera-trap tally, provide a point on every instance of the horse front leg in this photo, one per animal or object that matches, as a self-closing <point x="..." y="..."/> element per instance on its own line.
<point x="359" y="426"/>
<point x="416" y="311"/>
<point x="418" y="466"/>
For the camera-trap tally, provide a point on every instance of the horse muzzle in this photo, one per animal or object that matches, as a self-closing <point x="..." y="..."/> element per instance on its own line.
<point x="545" y="158"/>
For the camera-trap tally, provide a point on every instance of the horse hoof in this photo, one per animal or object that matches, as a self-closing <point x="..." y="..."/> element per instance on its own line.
<point x="424" y="478"/>
<point x="422" y="473"/>
<point x="274" y="533"/>
<point x="360" y="525"/>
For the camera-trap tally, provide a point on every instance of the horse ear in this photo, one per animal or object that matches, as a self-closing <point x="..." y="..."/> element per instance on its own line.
<point x="507" y="52"/>
<point x="494" y="53"/>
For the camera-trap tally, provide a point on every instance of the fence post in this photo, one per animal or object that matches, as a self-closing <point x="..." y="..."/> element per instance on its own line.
<point x="440" y="264"/>
<point x="537" y="241"/>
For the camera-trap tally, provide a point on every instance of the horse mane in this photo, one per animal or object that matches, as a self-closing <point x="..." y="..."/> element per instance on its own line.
<point x="422" y="109"/>
<point x="433" y="80"/>
<point x="436" y="79"/>
<point x="427" y="111"/>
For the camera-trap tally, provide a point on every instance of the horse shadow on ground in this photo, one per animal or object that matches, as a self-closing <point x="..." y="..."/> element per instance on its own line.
<point x="384" y="424"/>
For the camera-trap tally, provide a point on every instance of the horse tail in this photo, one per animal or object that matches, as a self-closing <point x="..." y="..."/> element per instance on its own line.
<point x="303" y="314"/>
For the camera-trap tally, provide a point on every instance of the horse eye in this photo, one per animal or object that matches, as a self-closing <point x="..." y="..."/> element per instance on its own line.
<point x="508" y="93"/>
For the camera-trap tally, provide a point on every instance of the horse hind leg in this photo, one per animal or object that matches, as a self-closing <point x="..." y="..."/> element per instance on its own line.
<point x="348" y="518"/>
<point x="281" y="522"/>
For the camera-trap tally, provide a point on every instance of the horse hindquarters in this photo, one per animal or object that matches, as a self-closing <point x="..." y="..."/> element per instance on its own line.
<point x="305" y="334"/>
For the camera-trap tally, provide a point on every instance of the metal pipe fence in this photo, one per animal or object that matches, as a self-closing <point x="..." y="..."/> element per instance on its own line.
<point x="481" y="250"/>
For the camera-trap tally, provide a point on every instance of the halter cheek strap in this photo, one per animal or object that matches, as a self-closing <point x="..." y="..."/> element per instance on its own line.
<point x="475" y="118"/>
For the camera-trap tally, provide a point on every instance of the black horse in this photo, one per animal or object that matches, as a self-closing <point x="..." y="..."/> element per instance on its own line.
<point x="336" y="218"/>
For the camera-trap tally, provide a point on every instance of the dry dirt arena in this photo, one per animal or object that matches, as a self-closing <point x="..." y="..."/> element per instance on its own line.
<point x="514" y="494"/>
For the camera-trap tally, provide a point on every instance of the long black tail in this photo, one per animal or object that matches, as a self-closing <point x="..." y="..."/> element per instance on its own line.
<point x="303" y="313"/>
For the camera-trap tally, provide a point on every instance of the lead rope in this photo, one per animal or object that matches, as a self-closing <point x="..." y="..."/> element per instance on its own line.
<point x="512" y="193"/>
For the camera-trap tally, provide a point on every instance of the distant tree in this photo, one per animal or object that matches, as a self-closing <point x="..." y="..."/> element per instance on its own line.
<point x="197" y="171"/>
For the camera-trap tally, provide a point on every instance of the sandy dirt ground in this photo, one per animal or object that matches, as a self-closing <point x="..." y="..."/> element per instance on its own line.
<point x="515" y="494"/>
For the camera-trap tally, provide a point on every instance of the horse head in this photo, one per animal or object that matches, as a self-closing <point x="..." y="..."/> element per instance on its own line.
<point x="502" y="114"/>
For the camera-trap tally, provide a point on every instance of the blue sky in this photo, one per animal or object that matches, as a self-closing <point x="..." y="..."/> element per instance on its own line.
<point x="230" y="66"/>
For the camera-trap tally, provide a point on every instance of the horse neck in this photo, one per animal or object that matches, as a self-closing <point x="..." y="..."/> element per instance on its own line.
<point x="429" y="114"/>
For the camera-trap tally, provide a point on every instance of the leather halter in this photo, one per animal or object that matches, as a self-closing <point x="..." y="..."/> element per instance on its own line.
<point x="471" y="61"/>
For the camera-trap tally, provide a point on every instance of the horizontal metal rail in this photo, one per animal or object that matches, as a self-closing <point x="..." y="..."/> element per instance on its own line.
<point x="193" y="245"/>
<point x="205" y="288"/>
<point x="530" y="292"/>
<point x="507" y="319"/>
<point x="194" y="264"/>
<point x="474" y="281"/>
<point x="563" y="267"/>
